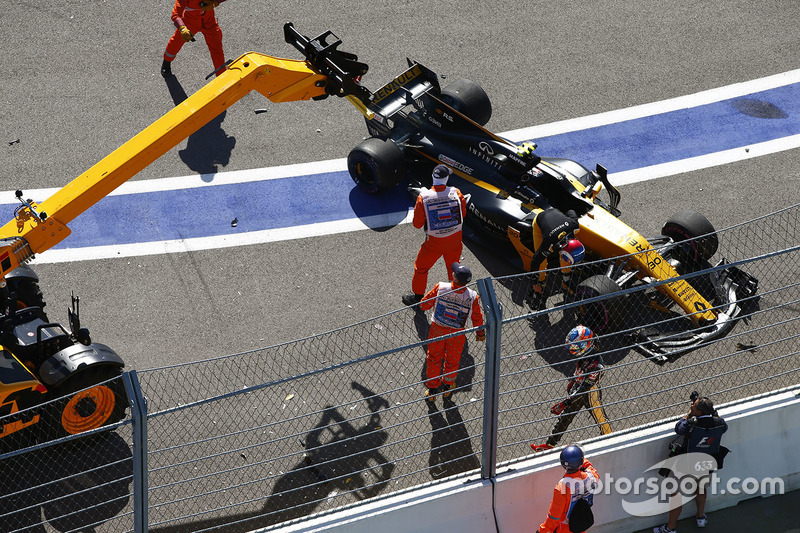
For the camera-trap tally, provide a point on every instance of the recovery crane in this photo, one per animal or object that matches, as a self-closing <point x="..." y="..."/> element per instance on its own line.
<point x="42" y="361"/>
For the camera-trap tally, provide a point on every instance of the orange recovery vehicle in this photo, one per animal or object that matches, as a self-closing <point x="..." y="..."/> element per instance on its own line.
<point x="55" y="380"/>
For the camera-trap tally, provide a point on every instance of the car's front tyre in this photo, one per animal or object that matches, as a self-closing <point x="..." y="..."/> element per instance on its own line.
<point x="686" y="226"/>
<point x="607" y="314"/>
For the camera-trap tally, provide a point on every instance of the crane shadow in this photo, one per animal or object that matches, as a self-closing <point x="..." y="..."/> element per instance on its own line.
<point x="74" y="486"/>
<point x="207" y="149"/>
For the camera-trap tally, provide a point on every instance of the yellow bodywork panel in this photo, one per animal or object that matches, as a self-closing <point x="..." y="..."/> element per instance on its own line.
<point x="280" y="80"/>
<point x="16" y="381"/>
<point x="605" y="234"/>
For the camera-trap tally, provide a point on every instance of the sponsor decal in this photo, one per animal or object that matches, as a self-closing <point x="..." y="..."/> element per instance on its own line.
<point x="475" y="211"/>
<point x="517" y="159"/>
<point x="434" y="121"/>
<point x="396" y="83"/>
<point x="445" y="115"/>
<point x="484" y="155"/>
<point x="455" y="164"/>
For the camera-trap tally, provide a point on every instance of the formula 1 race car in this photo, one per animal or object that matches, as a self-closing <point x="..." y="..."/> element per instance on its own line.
<point x="414" y="124"/>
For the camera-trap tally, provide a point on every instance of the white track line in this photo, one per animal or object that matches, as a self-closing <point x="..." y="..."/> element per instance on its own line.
<point x="223" y="241"/>
<point x="335" y="165"/>
<point x="533" y="132"/>
<point x="665" y="106"/>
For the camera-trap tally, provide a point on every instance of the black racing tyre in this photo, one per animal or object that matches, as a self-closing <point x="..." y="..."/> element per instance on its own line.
<point x="687" y="225"/>
<point x="469" y="98"/>
<point x="80" y="410"/>
<point x="376" y="165"/>
<point x="604" y="315"/>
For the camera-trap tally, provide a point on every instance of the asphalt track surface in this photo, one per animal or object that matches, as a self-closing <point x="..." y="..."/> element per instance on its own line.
<point x="81" y="78"/>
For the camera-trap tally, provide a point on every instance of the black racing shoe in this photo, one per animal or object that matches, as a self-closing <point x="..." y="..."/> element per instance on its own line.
<point x="536" y="301"/>
<point x="447" y="396"/>
<point x="447" y="389"/>
<point x="411" y="299"/>
<point x="430" y="394"/>
<point x="166" y="69"/>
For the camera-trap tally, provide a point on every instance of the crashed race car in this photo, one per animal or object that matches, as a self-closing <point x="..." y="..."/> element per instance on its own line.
<point x="414" y="124"/>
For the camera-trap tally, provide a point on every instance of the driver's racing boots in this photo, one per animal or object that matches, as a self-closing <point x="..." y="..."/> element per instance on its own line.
<point x="536" y="299"/>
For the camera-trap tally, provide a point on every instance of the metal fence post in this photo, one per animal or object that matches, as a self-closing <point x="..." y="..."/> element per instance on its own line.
<point x="493" y="315"/>
<point x="139" y="417"/>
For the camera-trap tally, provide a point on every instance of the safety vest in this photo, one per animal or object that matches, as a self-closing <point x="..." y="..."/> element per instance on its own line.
<point x="581" y="487"/>
<point x="442" y="211"/>
<point x="453" y="308"/>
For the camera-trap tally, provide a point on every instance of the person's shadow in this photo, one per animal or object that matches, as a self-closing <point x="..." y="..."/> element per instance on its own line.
<point x="339" y="458"/>
<point x="75" y="486"/>
<point x="451" y="445"/>
<point x="209" y="147"/>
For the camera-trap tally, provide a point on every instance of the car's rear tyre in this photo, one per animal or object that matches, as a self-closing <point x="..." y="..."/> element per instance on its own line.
<point x="376" y="165"/>
<point x="685" y="226"/>
<point x="470" y="99"/>
<point x="603" y="315"/>
<point x="83" y="410"/>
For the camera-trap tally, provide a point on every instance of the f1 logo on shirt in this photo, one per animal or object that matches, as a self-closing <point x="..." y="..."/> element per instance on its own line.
<point x="705" y="442"/>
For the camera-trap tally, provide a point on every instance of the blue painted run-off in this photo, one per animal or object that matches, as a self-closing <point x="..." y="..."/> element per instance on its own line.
<point x="331" y="196"/>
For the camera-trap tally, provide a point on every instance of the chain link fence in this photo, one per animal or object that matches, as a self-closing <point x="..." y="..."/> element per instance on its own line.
<point x="639" y="385"/>
<point x="80" y="482"/>
<point x="291" y="441"/>
<point x="260" y="438"/>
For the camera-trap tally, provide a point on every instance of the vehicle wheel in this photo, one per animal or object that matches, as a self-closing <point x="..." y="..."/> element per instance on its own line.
<point x="688" y="225"/>
<point x="470" y="99"/>
<point x="604" y="315"/>
<point x="83" y="410"/>
<point x="376" y="165"/>
<point x="28" y="292"/>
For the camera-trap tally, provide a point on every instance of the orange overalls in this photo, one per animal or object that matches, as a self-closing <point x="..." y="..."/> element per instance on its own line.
<point x="441" y="212"/>
<point x="454" y="306"/>
<point x="570" y="489"/>
<point x="189" y="13"/>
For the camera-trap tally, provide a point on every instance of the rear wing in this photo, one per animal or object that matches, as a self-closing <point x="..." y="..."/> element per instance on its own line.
<point x="403" y="90"/>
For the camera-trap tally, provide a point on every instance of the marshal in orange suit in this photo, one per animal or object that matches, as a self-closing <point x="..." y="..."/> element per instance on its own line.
<point x="191" y="17"/>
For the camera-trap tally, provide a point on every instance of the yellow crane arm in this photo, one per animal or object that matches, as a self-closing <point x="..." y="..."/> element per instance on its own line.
<point x="326" y="70"/>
